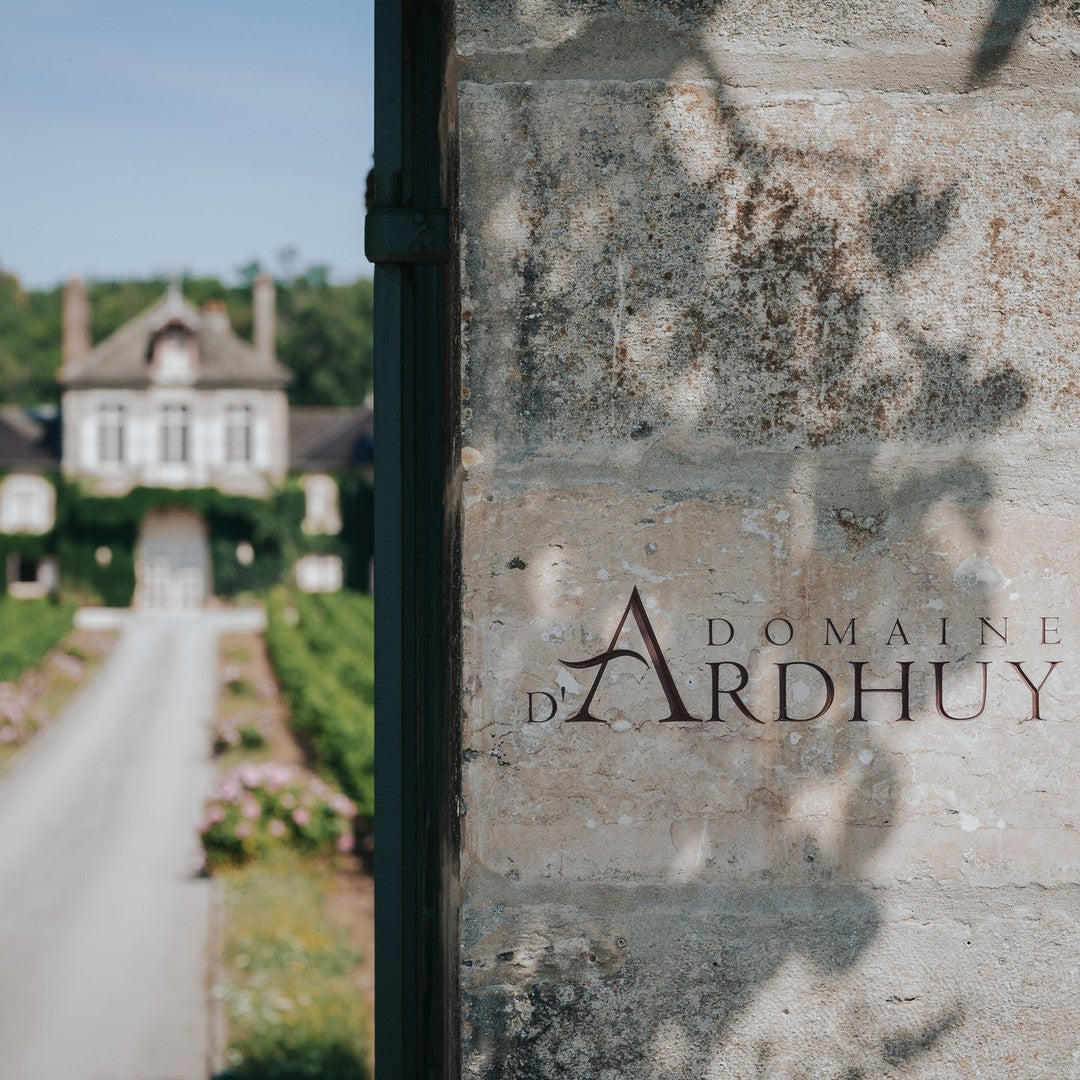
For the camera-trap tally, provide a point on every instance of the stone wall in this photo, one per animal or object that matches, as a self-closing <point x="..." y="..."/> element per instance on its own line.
<point x="769" y="353"/>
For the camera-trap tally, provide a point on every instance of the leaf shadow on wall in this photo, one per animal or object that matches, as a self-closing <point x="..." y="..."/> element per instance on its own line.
<point x="795" y="260"/>
<point x="1000" y="35"/>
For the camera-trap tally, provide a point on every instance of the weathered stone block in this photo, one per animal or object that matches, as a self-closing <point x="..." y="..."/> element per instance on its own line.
<point x="770" y="425"/>
<point x="659" y="260"/>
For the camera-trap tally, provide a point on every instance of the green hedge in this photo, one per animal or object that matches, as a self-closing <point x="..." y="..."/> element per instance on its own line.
<point x="322" y="648"/>
<point x="28" y="630"/>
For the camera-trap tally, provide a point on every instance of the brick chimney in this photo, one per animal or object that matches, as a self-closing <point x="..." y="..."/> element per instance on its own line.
<point x="76" y="321"/>
<point x="216" y="315"/>
<point x="265" y="328"/>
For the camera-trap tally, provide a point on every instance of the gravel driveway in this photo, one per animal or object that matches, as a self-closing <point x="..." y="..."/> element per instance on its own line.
<point x="103" y="922"/>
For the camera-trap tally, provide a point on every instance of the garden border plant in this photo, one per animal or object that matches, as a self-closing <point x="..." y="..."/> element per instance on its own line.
<point x="258" y="807"/>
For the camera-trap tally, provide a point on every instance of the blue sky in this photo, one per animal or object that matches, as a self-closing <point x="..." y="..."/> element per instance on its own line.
<point x="143" y="136"/>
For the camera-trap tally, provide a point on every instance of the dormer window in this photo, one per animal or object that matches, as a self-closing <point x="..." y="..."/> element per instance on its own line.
<point x="172" y="356"/>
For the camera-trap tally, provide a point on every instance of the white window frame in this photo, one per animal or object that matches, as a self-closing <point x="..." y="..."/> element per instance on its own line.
<point x="27" y="504"/>
<point x="239" y="434"/>
<point x="111" y="434"/>
<point x="175" y="433"/>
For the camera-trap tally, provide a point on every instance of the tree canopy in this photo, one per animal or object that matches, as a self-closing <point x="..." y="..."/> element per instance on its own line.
<point x="324" y="330"/>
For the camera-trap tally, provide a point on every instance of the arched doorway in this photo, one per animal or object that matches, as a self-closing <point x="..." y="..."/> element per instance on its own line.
<point x="172" y="560"/>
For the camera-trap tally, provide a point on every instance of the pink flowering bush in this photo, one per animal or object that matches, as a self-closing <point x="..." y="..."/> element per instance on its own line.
<point x="258" y="806"/>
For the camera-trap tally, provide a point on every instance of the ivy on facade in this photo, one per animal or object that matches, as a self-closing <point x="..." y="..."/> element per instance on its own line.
<point x="94" y="537"/>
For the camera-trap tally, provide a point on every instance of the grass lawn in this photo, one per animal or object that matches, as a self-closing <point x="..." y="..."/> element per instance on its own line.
<point x="294" y="1006"/>
<point x="28" y="630"/>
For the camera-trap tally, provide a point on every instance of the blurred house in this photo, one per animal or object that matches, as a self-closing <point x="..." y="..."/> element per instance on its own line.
<point x="174" y="398"/>
<point x="178" y="420"/>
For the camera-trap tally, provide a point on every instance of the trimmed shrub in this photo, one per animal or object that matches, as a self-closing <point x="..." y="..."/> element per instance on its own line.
<point x="322" y="648"/>
<point x="259" y="806"/>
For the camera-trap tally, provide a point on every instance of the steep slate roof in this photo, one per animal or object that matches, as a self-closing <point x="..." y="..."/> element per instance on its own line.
<point x="330" y="438"/>
<point x="224" y="358"/>
<point x="28" y="441"/>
